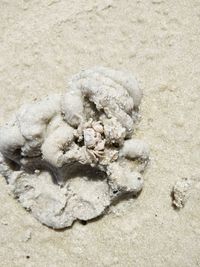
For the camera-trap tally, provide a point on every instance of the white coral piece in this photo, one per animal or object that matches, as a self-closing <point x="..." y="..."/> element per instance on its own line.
<point x="180" y="192"/>
<point x="70" y="156"/>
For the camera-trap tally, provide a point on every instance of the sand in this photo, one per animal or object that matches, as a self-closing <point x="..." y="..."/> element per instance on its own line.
<point x="42" y="43"/>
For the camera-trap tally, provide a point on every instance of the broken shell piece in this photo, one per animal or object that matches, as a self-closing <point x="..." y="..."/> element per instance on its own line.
<point x="69" y="157"/>
<point x="180" y="192"/>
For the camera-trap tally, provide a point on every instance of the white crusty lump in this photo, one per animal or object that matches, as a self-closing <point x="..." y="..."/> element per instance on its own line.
<point x="69" y="157"/>
<point x="180" y="192"/>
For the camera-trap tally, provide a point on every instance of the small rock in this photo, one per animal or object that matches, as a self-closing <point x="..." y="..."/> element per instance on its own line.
<point x="180" y="192"/>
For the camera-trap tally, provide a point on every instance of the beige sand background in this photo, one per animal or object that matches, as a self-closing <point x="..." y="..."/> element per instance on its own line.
<point x="42" y="43"/>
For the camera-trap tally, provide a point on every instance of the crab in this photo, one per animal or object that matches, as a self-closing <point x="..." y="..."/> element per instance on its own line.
<point x="91" y="132"/>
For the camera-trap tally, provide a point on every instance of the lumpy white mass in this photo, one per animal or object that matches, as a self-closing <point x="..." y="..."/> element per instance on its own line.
<point x="69" y="157"/>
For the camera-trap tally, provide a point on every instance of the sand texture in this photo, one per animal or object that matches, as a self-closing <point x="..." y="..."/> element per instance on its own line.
<point x="42" y="44"/>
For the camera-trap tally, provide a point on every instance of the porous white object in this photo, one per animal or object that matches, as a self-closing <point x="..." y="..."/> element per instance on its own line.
<point x="180" y="192"/>
<point x="68" y="157"/>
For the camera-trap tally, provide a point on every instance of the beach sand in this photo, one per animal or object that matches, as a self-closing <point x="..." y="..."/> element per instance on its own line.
<point x="43" y="43"/>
